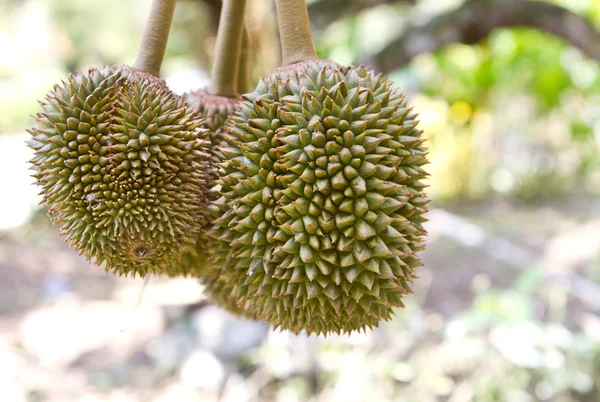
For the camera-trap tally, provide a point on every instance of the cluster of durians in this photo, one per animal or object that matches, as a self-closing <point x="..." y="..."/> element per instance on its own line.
<point x="300" y="203"/>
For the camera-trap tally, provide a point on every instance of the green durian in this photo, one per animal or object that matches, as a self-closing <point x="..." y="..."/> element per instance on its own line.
<point x="322" y="202"/>
<point x="214" y="109"/>
<point x="229" y="77"/>
<point x="123" y="167"/>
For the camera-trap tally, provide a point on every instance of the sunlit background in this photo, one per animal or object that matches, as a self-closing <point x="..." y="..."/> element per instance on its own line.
<point x="506" y="307"/>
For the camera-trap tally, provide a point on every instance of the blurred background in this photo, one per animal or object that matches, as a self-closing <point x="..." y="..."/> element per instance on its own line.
<point x="507" y="305"/>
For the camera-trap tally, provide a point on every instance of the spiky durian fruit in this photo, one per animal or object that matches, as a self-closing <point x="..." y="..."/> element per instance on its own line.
<point x="214" y="110"/>
<point x="322" y="200"/>
<point x="122" y="165"/>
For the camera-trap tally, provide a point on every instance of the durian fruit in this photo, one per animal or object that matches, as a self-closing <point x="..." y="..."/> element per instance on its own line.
<point x="123" y="162"/>
<point x="122" y="165"/>
<point x="214" y="110"/>
<point x="321" y="213"/>
<point x="229" y="77"/>
<point x="322" y="200"/>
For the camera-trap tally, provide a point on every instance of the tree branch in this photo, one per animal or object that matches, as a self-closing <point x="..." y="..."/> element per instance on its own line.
<point x="475" y="20"/>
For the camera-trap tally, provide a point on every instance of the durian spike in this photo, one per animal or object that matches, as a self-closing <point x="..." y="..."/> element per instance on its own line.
<point x="224" y="79"/>
<point x="294" y="31"/>
<point x="156" y="34"/>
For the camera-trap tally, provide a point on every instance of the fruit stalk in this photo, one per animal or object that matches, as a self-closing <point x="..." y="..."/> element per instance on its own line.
<point x="156" y="34"/>
<point x="294" y="31"/>
<point x="243" y="85"/>
<point x="225" y="69"/>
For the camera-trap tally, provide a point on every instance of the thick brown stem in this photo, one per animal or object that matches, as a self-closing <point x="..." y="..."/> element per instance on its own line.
<point x="156" y="34"/>
<point x="294" y="31"/>
<point x="243" y="84"/>
<point x="227" y="50"/>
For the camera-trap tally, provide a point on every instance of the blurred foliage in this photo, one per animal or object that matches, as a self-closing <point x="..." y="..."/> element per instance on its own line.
<point x="514" y="116"/>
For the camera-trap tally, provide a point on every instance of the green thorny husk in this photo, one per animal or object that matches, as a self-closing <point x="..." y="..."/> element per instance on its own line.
<point x="321" y="208"/>
<point x="123" y="166"/>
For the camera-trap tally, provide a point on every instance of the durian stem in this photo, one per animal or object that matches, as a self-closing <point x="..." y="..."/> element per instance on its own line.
<point x="294" y="31"/>
<point x="156" y="34"/>
<point x="243" y="84"/>
<point x="224" y="79"/>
